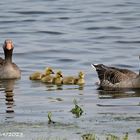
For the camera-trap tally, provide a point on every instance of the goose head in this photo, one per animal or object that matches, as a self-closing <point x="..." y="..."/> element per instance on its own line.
<point x="8" y="44"/>
<point x="8" y="49"/>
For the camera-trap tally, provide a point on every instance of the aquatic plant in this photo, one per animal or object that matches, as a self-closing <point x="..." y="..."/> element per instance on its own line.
<point x="89" y="137"/>
<point x="50" y="118"/>
<point x="138" y="130"/>
<point x="125" y="137"/>
<point x="112" y="137"/>
<point x="77" y="110"/>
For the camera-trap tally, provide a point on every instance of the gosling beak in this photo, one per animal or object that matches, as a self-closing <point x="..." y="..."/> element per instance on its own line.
<point x="52" y="72"/>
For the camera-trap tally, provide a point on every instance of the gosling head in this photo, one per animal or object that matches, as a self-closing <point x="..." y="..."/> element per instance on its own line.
<point x="59" y="74"/>
<point x="81" y="75"/>
<point x="49" y="71"/>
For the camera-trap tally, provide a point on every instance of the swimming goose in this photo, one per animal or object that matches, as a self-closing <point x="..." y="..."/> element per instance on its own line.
<point x="58" y="79"/>
<point x="80" y="79"/>
<point x="47" y="77"/>
<point x="112" y="78"/>
<point x="8" y="70"/>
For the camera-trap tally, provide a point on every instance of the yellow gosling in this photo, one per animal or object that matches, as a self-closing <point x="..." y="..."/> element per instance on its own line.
<point x="35" y="76"/>
<point x="58" y="79"/>
<point x="48" y="71"/>
<point x="68" y="80"/>
<point x="80" y="79"/>
<point x="47" y="77"/>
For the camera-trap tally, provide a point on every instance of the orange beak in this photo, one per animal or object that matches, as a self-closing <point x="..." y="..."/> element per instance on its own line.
<point x="9" y="46"/>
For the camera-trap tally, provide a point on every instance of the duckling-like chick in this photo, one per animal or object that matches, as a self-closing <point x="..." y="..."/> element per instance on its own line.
<point x="80" y="79"/>
<point x="47" y="77"/>
<point x="58" y="79"/>
<point x="35" y="76"/>
<point x="68" y="80"/>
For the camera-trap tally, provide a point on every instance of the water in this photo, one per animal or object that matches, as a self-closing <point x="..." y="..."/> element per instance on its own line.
<point x="69" y="36"/>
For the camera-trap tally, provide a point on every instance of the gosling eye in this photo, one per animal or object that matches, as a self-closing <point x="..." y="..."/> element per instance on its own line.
<point x="51" y="71"/>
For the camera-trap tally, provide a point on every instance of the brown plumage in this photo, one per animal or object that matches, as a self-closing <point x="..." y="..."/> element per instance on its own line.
<point x="115" y="78"/>
<point x="8" y="69"/>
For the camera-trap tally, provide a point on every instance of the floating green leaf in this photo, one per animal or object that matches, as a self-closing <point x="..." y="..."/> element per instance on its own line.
<point x="49" y="117"/>
<point x="138" y="130"/>
<point x="77" y="110"/>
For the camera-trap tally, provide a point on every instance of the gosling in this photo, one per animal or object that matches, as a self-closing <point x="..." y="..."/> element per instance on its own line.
<point x="58" y="79"/>
<point x="35" y="76"/>
<point x="47" y="77"/>
<point x="68" y="80"/>
<point x="80" y="79"/>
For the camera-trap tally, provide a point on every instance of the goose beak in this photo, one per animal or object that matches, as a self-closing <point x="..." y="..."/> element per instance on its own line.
<point x="9" y="46"/>
<point x="94" y="66"/>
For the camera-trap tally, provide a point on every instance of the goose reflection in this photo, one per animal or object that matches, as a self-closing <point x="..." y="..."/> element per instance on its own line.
<point x="8" y="87"/>
<point x="118" y="94"/>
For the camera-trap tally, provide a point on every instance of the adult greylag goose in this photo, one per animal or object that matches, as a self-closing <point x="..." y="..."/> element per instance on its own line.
<point x="8" y="69"/>
<point x="112" y="78"/>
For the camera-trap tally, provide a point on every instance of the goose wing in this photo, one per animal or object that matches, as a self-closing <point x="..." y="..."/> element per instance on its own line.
<point x="115" y="76"/>
<point x="112" y="74"/>
<point x="127" y="72"/>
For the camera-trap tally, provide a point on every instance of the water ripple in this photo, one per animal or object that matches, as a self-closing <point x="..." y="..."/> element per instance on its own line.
<point x="70" y="35"/>
<point x="105" y="28"/>
<point x="50" y="32"/>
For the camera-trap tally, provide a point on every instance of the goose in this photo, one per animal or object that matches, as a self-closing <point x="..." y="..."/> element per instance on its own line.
<point x="8" y="69"/>
<point x="80" y="79"/>
<point x="58" y="79"/>
<point x="112" y="78"/>
<point x="47" y="77"/>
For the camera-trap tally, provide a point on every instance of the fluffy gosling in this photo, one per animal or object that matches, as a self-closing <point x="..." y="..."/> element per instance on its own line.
<point x="47" y="77"/>
<point x="68" y="80"/>
<point x="58" y="79"/>
<point x="80" y="79"/>
<point x="35" y="76"/>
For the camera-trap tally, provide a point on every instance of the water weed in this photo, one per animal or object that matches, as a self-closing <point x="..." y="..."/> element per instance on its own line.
<point x="77" y="110"/>
<point x="50" y="118"/>
<point x="138" y="130"/>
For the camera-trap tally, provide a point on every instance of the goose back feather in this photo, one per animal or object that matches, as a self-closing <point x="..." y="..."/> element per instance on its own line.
<point x="115" y="78"/>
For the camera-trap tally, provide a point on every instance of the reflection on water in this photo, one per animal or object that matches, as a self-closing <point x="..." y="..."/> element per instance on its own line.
<point x="69" y="36"/>
<point x="118" y="94"/>
<point x="8" y="88"/>
<point x="54" y="87"/>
